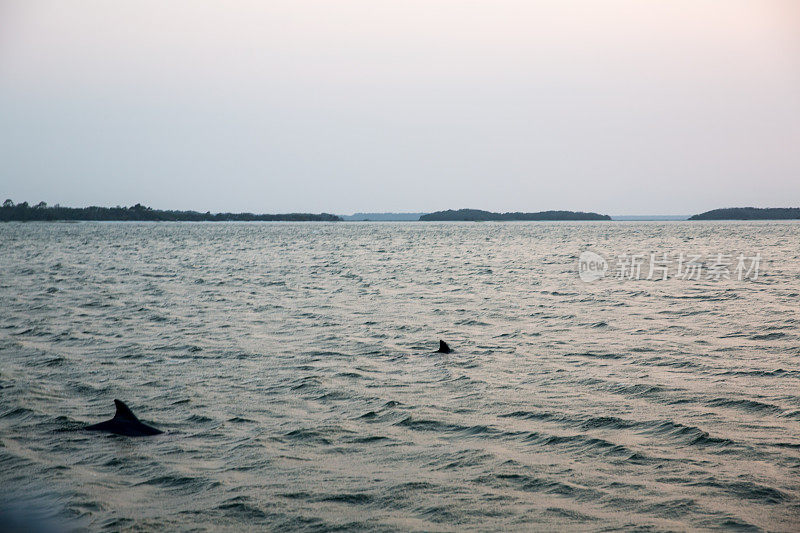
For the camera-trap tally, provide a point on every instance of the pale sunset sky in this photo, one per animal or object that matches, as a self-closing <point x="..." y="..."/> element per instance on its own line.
<point x="614" y="106"/>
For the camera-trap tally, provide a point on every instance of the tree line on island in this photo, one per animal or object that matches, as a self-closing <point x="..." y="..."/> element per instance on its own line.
<point x="23" y="212"/>
<point x="478" y="215"/>
<point x="750" y="213"/>
<point x="42" y="212"/>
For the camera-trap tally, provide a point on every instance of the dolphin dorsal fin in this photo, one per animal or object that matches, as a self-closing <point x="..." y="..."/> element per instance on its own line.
<point x="123" y="411"/>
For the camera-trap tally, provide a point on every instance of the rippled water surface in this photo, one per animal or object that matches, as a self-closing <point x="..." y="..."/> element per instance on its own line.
<point x="292" y="369"/>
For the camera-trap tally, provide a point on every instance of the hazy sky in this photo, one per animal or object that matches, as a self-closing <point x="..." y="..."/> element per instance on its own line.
<point x="616" y="106"/>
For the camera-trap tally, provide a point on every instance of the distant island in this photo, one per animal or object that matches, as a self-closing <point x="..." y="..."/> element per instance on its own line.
<point x="649" y="218"/>
<point x="382" y="217"/>
<point x="479" y="215"/>
<point x="750" y="213"/>
<point x="11" y="212"/>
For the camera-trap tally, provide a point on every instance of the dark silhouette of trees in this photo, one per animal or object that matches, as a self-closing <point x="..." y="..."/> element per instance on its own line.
<point x="750" y="213"/>
<point x="41" y="212"/>
<point x="479" y="215"/>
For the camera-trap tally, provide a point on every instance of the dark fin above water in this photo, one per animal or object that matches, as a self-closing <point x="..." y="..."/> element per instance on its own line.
<point x="124" y="412"/>
<point x="124" y="423"/>
<point x="443" y="347"/>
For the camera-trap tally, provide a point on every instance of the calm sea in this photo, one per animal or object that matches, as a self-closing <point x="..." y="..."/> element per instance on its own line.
<point x="291" y="367"/>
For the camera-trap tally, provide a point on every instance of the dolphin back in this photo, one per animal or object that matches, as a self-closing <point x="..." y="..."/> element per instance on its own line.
<point x="124" y="423"/>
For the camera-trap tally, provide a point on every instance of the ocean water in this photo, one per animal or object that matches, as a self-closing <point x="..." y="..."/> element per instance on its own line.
<point x="291" y="367"/>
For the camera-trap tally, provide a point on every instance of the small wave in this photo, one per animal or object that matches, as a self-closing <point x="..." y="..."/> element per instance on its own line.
<point x="299" y="495"/>
<point x="745" y="405"/>
<point x="308" y="436"/>
<point x="607" y="422"/>
<point x="705" y="439"/>
<point x="51" y="362"/>
<point x="577" y="442"/>
<point x="691" y="435"/>
<point x="240" y="420"/>
<point x="671" y="363"/>
<point x="18" y="413"/>
<point x="791" y="445"/>
<point x="367" y="439"/>
<point x="536" y="484"/>
<point x="421" y="424"/>
<point x="571" y="514"/>
<point x="306" y="382"/>
<point x="531" y="415"/>
<point x="353" y="498"/>
<point x="747" y="490"/>
<point x="638" y="390"/>
<point x="175" y="481"/>
<point x="353" y="375"/>
<point x="242" y="508"/>
<point x="334" y="395"/>
<point x="199" y="419"/>
<point x="592" y="355"/>
<point x="768" y="336"/>
<point x="778" y="372"/>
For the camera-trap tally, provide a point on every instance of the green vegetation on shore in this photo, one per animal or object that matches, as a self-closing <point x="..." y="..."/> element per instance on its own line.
<point x="42" y="212"/>
<point x="750" y="213"/>
<point x="479" y="215"/>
